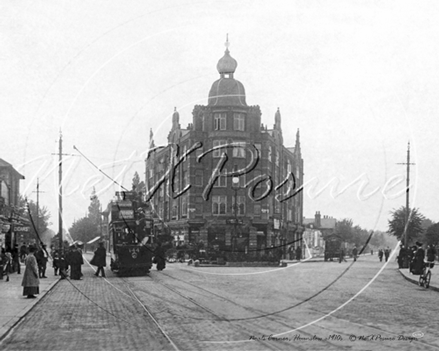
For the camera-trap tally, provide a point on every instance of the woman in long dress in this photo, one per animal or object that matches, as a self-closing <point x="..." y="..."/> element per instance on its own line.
<point x="30" y="281"/>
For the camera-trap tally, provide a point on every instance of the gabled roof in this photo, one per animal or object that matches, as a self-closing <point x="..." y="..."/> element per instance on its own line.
<point x="5" y="164"/>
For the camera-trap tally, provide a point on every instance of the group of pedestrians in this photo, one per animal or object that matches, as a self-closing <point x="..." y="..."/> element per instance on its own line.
<point x="384" y="252"/>
<point x="354" y="253"/>
<point x="416" y="257"/>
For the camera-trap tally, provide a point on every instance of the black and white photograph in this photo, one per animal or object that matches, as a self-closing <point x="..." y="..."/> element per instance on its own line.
<point x="219" y="175"/>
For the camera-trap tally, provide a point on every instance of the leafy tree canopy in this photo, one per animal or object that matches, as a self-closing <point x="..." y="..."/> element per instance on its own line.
<point x="396" y="225"/>
<point x="89" y="227"/>
<point x="41" y="220"/>
<point x="431" y="235"/>
<point x="84" y="229"/>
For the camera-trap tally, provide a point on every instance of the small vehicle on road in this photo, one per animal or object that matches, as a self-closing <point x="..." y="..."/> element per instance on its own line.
<point x="333" y="244"/>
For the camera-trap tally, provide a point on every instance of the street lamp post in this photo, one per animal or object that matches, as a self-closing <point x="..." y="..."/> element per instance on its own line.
<point x="235" y="182"/>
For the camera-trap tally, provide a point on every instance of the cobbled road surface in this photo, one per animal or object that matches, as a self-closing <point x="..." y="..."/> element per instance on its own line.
<point x="308" y="306"/>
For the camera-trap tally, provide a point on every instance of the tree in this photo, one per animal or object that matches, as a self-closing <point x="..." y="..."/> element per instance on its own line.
<point x="83" y="229"/>
<point x="138" y="186"/>
<point x="344" y="229"/>
<point x="38" y="221"/>
<point x="88" y="227"/>
<point x="94" y="209"/>
<point x="396" y="226"/>
<point x="431" y="235"/>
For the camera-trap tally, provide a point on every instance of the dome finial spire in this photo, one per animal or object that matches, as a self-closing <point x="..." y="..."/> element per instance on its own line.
<point x="227" y="42"/>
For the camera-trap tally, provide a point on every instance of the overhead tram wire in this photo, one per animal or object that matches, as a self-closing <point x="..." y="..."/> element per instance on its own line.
<point x="99" y="169"/>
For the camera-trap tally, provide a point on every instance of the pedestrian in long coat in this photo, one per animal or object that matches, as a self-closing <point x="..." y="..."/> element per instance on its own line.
<point x="75" y="261"/>
<point x="401" y="257"/>
<point x="30" y="280"/>
<point x="42" y="258"/>
<point x="99" y="259"/>
<point x="387" y="253"/>
<point x="159" y="257"/>
<point x="298" y="253"/>
<point x="419" y="259"/>
<point x="354" y="252"/>
<point x="380" y="254"/>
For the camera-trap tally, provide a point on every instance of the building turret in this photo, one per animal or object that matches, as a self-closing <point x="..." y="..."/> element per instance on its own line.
<point x="277" y="125"/>
<point x="176" y="117"/>
<point x="227" y="91"/>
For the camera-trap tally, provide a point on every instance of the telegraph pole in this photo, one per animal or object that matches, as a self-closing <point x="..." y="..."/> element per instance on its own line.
<point x="407" y="214"/>
<point x="38" y="206"/>
<point x="60" y="191"/>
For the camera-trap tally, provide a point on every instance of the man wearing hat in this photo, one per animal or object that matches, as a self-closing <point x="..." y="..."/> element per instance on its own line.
<point x="99" y="259"/>
<point x="75" y="260"/>
<point x="42" y="257"/>
<point x="419" y="259"/>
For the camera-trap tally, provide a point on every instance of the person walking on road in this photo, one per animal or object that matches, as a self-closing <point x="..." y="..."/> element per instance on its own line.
<point x="99" y="259"/>
<point x="342" y="255"/>
<point x="30" y="280"/>
<point x="298" y="253"/>
<point x="75" y="261"/>
<point x="380" y="254"/>
<point x="354" y="253"/>
<point x="159" y="257"/>
<point x="387" y="253"/>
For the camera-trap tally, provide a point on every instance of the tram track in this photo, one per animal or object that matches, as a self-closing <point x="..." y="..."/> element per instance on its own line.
<point x="249" y="329"/>
<point x="251" y="324"/>
<point x="203" y="309"/>
<point x="368" y="329"/>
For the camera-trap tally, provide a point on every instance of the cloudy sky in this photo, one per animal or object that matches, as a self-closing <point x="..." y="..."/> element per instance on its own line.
<point x="360" y="80"/>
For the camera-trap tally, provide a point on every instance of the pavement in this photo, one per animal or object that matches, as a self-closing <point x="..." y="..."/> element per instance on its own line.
<point x="415" y="278"/>
<point x="14" y="306"/>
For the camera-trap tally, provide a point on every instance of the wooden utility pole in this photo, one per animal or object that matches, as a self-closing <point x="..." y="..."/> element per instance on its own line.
<point x="407" y="214"/>
<point x="38" y="206"/>
<point x="60" y="191"/>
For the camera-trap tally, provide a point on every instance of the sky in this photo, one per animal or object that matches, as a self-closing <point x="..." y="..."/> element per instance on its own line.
<point x="359" y="79"/>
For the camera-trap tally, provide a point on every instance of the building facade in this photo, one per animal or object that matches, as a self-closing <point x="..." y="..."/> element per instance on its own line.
<point x="11" y="223"/>
<point x="226" y="180"/>
<point x="316" y="230"/>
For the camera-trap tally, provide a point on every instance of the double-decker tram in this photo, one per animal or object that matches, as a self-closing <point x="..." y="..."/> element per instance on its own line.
<point x="128" y="236"/>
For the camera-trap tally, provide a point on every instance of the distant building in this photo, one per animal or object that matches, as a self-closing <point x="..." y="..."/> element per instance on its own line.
<point x="316" y="229"/>
<point x="227" y="216"/>
<point x="10" y="221"/>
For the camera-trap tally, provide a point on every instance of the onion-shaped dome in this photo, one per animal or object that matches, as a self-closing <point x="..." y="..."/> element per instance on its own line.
<point x="226" y="64"/>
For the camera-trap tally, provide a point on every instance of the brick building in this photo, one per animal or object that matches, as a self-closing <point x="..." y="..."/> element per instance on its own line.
<point x="227" y="136"/>
<point x="316" y="230"/>
<point x="10" y="220"/>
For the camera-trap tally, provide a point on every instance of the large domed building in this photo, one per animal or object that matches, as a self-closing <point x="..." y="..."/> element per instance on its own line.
<point x="237" y="191"/>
